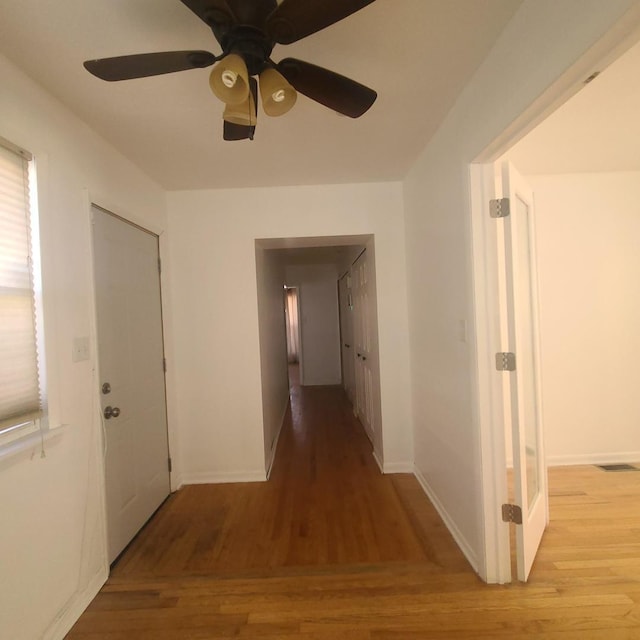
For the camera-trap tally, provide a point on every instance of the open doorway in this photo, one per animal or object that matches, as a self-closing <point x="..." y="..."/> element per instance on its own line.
<point x="292" y="326"/>
<point x="584" y="172"/>
<point x="304" y="332"/>
<point x="587" y="185"/>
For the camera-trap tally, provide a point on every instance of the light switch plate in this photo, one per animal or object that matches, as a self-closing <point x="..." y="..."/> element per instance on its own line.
<point x="80" y="350"/>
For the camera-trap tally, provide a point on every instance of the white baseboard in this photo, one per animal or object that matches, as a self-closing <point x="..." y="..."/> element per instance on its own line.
<point x="448" y="521"/>
<point x="213" y="477"/>
<point x="274" y="448"/>
<point x="176" y="482"/>
<point x="398" y="467"/>
<point x="75" y="607"/>
<point x="593" y="458"/>
<point x="378" y="461"/>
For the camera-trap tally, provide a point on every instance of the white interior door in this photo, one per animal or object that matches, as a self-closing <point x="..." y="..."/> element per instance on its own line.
<point x="530" y="473"/>
<point x="362" y="339"/>
<point x="347" y="347"/>
<point x="132" y="383"/>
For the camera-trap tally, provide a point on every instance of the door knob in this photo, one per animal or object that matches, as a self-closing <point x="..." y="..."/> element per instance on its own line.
<point x="111" y="412"/>
<point x="106" y="388"/>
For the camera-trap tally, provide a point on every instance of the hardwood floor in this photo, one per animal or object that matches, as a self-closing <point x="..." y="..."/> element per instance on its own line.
<point x="329" y="549"/>
<point x="325" y="503"/>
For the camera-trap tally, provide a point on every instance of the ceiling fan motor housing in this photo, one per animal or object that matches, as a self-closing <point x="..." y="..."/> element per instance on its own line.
<point x="250" y="43"/>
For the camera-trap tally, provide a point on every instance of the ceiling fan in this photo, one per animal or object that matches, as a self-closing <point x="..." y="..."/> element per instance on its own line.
<point x="247" y="31"/>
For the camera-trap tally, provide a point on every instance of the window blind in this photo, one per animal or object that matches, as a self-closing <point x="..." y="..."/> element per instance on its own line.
<point x="20" y="398"/>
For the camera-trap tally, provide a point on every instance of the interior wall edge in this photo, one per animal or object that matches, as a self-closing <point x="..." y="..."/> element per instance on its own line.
<point x="461" y="541"/>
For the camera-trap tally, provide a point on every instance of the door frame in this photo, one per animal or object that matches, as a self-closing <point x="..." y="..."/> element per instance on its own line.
<point x="366" y="240"/>
<point x="103" y="202"/>
<point x="299" y="328"/>
<point x="489" y="391"/>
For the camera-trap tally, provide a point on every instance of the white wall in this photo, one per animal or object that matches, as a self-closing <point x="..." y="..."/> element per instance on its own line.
<point x="273" y="347"/>
<point x="52" y="547"/>
<point x="216" y="326"/>
<point x="320" y="331"/>
<point x="543" y="40"/>
<point x="588" y="240"/>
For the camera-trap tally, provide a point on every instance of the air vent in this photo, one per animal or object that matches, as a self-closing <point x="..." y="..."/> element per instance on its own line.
<point x="617" y="467"/>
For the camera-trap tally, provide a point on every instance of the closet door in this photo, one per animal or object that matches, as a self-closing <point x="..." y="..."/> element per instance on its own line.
<point x="132" y="383"/>
<point x="362" y="338"/>
<point x="347" y="347"/>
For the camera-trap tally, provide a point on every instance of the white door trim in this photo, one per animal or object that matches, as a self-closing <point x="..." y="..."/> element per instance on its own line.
<point x="495" y="563"/>
<point x="90" y="202"/>
<point x="148" y="482"/>
<point x="155" y="227"/>
<point x="488" y="394"/>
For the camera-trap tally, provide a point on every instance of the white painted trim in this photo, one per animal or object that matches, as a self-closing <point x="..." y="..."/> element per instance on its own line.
<point x="75" y="607"/>
<point x="213" y="477"/>
<point x="97" y="421"/>
<point x="31" y="444"/>
<point x="274" y="448"/>
<point x="177" y="482"/>
<point x="460" y="540"/>
<point x="593" y="458"/>
<point x="489" y="418"/>
<point x="398" y="467"/>
<point x="379" y="462"/>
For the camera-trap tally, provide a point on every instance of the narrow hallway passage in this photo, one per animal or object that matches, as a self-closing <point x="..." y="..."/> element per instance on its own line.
<point x="326" y="503"/>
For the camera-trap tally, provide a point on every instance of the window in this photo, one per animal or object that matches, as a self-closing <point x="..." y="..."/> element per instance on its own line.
<point x="22" y="397"/>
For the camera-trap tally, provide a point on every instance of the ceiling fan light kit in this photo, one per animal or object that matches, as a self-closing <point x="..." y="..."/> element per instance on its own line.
<point x="244" y="114"/>
<point x="229" y="80"/>
<point x="277" y="95"/>
<point x="247" y="31"/>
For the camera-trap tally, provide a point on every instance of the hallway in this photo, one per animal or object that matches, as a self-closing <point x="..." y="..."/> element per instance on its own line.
<point x="326" y="503"/>
<point x="330" y="549"/>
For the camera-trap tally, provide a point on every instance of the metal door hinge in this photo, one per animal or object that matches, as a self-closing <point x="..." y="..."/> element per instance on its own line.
<point x="499" y="208"/>
<point x="170" y="465"/>
<point x="512" y="513"/>
<point x="506" y="361"/>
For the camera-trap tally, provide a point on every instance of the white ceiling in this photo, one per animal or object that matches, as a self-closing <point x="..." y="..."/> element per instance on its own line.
<point x="597" y="130"/>
<point x="417" y="54"/>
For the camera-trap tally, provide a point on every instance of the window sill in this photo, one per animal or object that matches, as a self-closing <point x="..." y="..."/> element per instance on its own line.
<point x="34" y="441"/>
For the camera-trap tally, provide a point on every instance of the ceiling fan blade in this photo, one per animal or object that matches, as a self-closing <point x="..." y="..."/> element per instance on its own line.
<point x="233" y="131"/>
<point x="221" y="15"/>
<point x="144" y="65"/>
<point x="328" y="88"/>
<point x="253" y="12"/>
<point x="297" y="19"/>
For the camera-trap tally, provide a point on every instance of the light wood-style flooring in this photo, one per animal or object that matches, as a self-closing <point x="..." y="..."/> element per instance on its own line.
<point x="329" y="549"/>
